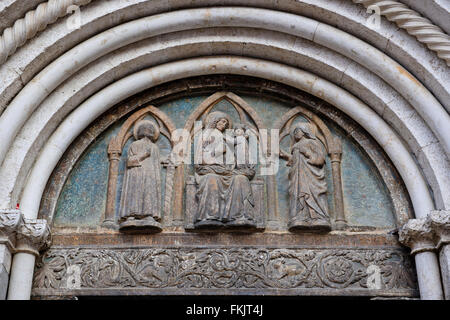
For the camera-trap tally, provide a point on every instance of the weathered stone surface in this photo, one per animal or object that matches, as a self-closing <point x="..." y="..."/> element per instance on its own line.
<point x="32" y="236"/>
<point x="10" y="221"/>
<point x="19" y="235"/>
<point x="329" y="49"/>
<point x="4" y="277"/>
<point x="439" y="220"/>
<point x="140" y="206"/>
<point x="5" y="266"/>
<point x="418" y="235"/>
<point x="444" y="260"/>
<point x="225" y="196"/>
<point x="359" y="212"/>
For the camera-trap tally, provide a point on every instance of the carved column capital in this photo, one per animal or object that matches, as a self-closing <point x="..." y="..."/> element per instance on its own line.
<point x="33" y="236"/>
<point x="10" y="221"/>
<point x="418" y="235"/>
<point x="439" y="221"/>
<point x="336" y="156"/>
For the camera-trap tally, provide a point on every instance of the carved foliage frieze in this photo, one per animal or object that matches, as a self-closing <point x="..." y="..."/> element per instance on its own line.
<point x="224" y="268"/>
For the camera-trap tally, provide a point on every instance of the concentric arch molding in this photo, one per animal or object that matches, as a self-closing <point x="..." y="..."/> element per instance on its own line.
<point x="72" y="271"/>
<point x="48" y="12"/>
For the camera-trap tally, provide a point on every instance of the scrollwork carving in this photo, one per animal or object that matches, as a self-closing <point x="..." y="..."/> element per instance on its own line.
<point x="220" y="268"/>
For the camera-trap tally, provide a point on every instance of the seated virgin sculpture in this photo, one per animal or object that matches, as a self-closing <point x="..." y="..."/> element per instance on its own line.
<point x="307" y="184"/>
<point x="224" y="193"/>
<point x="140" y="205"/>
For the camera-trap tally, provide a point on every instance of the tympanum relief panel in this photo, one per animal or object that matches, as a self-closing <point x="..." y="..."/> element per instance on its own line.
<point x="224" y="164"/>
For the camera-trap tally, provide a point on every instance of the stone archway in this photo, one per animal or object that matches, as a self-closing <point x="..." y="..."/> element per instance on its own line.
<point x="349" y="65"/>
<point x="228" y="246"/>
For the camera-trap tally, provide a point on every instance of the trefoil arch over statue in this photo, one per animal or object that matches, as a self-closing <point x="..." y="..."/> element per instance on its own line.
<point x="140" y="205"/>
<point x="307" y="183"/>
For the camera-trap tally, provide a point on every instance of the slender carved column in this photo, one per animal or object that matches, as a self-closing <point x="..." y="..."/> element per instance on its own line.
<point x="418" y="235"/>
<point x="10" y="221"/>
<point x="114" y="158"/>
<point x="440" y="224"/>
<point x="336" y="156"/>
<point x="33" y="235"/>
<point x="177" y="209"/>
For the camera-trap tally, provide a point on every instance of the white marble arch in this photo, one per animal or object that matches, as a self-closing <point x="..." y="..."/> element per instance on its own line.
<point x="90" y="109"/>
<point x="301" y="53"/>
<point x="411" y="108"/>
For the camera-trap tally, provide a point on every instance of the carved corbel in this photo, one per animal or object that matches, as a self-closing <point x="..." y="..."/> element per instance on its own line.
<point x="10" y="221"/>
<point x="33" y="236"/>
<point x="418" y="235"/>
<point x="439" y="220"/>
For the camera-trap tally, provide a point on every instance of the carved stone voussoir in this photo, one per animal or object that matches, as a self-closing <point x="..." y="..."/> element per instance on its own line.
<point x="417" y="235"/>
<point x="10" y="220"/>
<point x="33" y="236"/>
<point x="440" y="224"/>
<point x="206" y="270"/>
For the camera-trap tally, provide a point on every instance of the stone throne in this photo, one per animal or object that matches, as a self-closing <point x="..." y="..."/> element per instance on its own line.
<point x="250" y="119"/>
